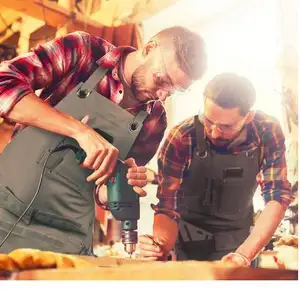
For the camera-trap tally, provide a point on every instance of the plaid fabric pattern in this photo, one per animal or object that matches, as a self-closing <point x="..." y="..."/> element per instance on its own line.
<point x="175" y="155"/>
<point x="58" y="66"/>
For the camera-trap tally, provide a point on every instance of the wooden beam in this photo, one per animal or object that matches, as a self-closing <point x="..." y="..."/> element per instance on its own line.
<point x="108" y="11"/>
<point x="67" y="4"/>
<point x="29" y="25"/>
<point x="11" y="29"/>
<point x="116" y="12"/>
<point x="7" y="16"/>
<point x="51" y="13"/>
<point x="88" y="4"/>
<point x="147" y="8"/>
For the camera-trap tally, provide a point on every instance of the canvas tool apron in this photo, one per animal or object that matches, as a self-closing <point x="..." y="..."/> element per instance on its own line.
<point x="217" y="206"/>
<point x="62" y="216"/>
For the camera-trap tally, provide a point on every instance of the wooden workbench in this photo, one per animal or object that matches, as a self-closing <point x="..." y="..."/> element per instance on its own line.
<point x="109" y="268"/>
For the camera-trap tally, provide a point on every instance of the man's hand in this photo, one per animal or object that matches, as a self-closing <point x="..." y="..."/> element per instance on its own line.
<point x="236" y="259"/>
<point x="150" y="249"/>
<point x="101" y="156"/>
<point x="136" y="176"/>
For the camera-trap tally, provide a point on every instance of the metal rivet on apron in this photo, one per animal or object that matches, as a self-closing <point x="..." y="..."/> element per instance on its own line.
<point x="202" y="155"/>
<point x="133" y="126"/>
<point x="83" y="93"/>
<point x="250" y="155"/>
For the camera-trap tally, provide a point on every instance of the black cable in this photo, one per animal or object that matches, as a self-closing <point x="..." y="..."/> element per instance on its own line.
<point x="60" y="148"/>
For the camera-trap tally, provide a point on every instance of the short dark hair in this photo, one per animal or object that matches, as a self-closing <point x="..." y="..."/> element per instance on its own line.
<point x="230" y="90"/>
<point x="189" y="49"/>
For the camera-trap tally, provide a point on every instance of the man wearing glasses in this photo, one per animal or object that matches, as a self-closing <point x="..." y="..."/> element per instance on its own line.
<point x="136" y="83"/>
<point x="209" y="168"/>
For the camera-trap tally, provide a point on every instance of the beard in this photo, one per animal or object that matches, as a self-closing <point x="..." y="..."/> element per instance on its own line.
<point x="138" y="85"/>
<point x="223" y="142"/>
<point x="220" y="142"/>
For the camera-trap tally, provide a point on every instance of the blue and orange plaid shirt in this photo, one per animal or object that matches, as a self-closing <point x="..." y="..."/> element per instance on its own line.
<point x="59" y="65"/>
<point x="175" y="156"/>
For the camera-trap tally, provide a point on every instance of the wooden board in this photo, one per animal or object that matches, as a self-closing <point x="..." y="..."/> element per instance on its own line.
<point x="109" y="268"/>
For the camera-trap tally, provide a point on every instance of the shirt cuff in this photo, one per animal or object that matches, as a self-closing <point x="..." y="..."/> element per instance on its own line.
<point x="285" y="199"/>
<point x="171" y="214"/>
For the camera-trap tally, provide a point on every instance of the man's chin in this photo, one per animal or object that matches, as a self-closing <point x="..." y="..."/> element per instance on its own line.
<point x="220" y="143"/>
<point x="143" y="96"/>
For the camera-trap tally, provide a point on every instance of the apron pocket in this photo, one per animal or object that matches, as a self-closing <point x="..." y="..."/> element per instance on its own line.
<point x="72" y="174"/>
<point x="26" y="237"/>
<point x="231" y="200"/>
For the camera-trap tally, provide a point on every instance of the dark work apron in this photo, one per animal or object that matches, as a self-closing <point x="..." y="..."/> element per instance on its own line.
<point x="61" y="218"/>
<point x="217" y="207"/>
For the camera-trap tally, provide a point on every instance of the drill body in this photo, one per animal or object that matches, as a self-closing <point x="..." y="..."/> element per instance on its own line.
<point x="124" y="205"/>
<point x="123" y="201"/>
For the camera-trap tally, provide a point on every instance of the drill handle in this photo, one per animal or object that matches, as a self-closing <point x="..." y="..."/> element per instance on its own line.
<point x="123" y="201"/>
<point x="81" y="154"/>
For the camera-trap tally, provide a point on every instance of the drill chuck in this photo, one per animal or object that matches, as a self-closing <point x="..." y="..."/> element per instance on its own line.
<point x="129" y="239"/>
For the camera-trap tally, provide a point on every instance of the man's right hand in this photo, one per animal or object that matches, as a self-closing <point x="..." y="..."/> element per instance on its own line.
<point x="101" y="156"/>
<point x="149" y="248"/>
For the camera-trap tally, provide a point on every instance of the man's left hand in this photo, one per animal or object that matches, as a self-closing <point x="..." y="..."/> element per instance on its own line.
<point x="136" y="176"/>
<point x="236" y="259"/>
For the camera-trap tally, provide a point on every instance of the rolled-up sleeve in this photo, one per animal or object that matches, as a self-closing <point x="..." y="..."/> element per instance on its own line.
<point x="43" y="66"/>
<point x="150" y="136"/>
<point x="13" y="85"/>
<point x="273" y="176"/>
<point x="172" y="162"/>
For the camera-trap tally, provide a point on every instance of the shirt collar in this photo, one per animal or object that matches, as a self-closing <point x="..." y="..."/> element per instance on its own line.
<point x="111" y="59"/>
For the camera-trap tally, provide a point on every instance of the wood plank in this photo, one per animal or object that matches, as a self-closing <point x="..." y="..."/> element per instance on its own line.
<point x="7" y="16"/>
<point x="141" y="270"/>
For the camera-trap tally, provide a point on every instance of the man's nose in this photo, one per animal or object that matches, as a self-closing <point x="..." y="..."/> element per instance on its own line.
<point x="162" y="95"/>
<point x="215" y="132"/>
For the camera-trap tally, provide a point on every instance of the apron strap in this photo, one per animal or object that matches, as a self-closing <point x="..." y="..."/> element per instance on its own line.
<point x="200" y="139"/>
<point x="93" y="80"/>
<point x="141" y="116"/>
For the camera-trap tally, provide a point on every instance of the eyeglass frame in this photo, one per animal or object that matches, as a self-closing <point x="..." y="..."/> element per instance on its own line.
<point x="163" y="72"/>
<point x="205" y="120"/>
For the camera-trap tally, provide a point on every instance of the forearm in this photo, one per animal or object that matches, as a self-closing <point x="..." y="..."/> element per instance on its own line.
<point x="263" y="230"/>
<point x="166" y="230"/>
<point x="30" y="110"/>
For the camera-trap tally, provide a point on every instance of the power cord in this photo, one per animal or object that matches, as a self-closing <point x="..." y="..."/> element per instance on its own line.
<point x="60" y="148"/>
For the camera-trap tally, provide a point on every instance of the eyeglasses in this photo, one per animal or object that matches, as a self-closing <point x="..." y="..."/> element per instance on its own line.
<point x="162" y="78"/>
<point x="221" y="128"/>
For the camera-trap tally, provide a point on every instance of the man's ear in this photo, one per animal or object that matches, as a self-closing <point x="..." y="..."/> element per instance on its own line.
<point x="149" y="46"/>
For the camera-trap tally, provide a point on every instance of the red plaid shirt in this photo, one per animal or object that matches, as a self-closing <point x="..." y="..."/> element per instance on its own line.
<point x="59" y="65"/>
<point x="175" y="158"/>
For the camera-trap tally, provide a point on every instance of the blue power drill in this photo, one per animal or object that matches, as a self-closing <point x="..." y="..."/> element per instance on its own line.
<point x="124" y="205"/>
<point x="123" y="202"/>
